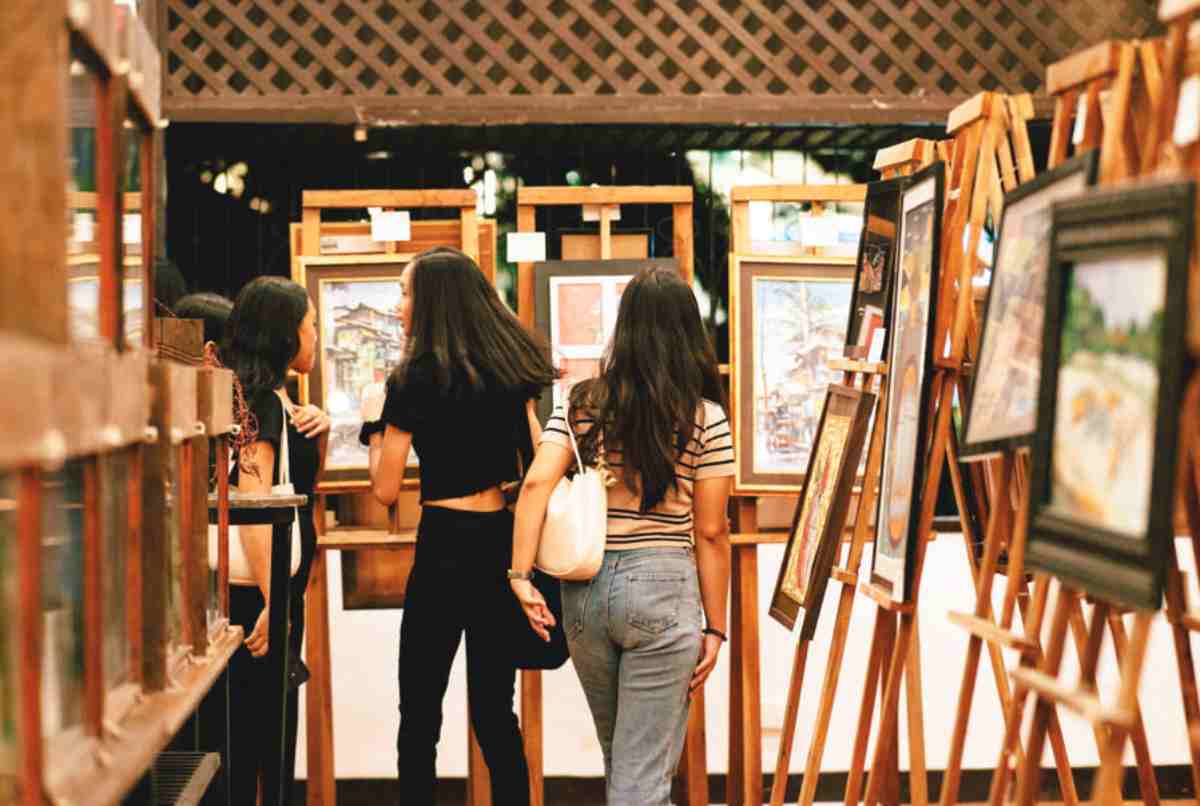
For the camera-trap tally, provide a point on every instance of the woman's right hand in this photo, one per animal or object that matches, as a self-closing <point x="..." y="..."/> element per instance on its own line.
<point x="535" y="607"/>
<point x="256" y="642"/>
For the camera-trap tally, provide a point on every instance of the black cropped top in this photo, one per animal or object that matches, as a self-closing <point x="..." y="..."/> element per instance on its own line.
<point x="467" y="439"/>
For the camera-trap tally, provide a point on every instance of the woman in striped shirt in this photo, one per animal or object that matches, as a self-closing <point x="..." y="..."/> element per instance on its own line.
<point x="635" y="630"/>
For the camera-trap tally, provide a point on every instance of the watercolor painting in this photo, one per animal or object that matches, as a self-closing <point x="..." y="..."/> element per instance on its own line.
<point x="583" y="315"/>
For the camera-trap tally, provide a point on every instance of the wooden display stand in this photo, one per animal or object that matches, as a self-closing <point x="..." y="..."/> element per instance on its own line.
<point x="693" y="765"/>
<point x="745" y="779"/>
<point x="477" y="239"/>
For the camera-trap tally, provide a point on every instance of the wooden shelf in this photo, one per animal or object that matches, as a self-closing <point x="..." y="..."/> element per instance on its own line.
<point x="758" y="538"/>
<point x="1085" y="704"/>
<point x="884" y="599"/>
<point x="862" y="367"/>
<point x="352" y="539"/>
<point x="251" y="501"/>
<point x="993" y="634"/>
<point x="843" y="576"/>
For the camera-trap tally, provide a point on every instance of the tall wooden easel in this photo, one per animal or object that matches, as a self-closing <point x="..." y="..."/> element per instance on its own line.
<point x="902" y="159"/>
<point x="693" y="765"/>
<point x="745" y="778"/>
<point x="1094" y="92"/>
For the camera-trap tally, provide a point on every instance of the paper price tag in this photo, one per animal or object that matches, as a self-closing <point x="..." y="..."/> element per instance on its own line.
<point x="1081" y="110"/>
<point x="83" y="226"/>
<point x="1187" y="116"/>
<point x="591" y="212"/>
<point x="391" y="226"/>
<point x="526" y="247"/>
<point x="875" y="352"/>
<point x="131" y="228"/>
<point x="820" y="231"/>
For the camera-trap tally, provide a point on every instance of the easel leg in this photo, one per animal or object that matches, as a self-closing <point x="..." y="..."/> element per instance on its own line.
<point x="883" y="766"/>
<point x="1141" y="746"/>
<point x="788" y="737"/>
<point x="531" y="733"/>
<point x="319" y="691"/>
<point x="1177" y="606"/>
<point x="745" y="712"/>
<point x="693" y="766"/>
<point x="918" y="781"/>
<point x="881" y="643"/>
<point x="1108" y="783"/>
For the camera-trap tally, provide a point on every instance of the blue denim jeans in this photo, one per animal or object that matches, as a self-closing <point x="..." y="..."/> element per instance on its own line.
<point x="634" y="634"/>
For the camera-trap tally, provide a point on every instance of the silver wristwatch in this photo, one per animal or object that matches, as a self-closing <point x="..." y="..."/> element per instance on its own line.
<point x="520" y="574"/>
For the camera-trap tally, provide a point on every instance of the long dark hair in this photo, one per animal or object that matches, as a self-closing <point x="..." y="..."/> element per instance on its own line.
<point x="213" y="309"/>
<point x="472" y="339"/>
<point x="262" y="334"/>
<point x="657" y="368"/>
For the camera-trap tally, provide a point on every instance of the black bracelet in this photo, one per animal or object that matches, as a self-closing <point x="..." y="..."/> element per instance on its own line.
<point x="716" y="632"/>
<point x="369" y="429"/>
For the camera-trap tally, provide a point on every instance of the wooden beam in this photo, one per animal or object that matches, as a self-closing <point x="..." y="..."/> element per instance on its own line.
<point x="970" y="111"/>
<point x="388" y="198"/>
<point x="1170" y="10"/>
<point x="611" y="194"/>
<point x="1080" y="68"/>
<point x="799" y="193"/>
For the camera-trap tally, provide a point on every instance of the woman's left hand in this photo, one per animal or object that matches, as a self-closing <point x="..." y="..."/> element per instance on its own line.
<point x="535" y="607"/>
<point x="712" y="646"/>
<point x="310" y="420"/>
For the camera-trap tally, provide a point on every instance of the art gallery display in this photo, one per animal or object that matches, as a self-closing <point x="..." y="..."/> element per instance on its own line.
<point x="910" y="360"/>
<point x="789" y="319"/>
<point x="823" y="506"/>
<point x="1111" y="391"/>
<point x="875" y="267"/>
<point x="1003" y="405"/>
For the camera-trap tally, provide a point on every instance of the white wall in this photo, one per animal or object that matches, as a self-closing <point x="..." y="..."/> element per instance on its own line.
<point x="365" y="650"/>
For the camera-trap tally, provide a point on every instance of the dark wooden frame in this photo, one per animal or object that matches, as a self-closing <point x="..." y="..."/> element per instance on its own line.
<point x="1087" y="164"/>
<point x="1115" y="567"/>
<point x="545" y="271"/>
<point x="743" y="271"/>
<point x="314" y="275"/>
<point x="877" y="195"/>
<point x="934" y="174"/>
<point x="784" y="608"/>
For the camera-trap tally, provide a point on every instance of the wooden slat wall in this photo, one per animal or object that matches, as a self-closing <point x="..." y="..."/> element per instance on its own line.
<point x="670" y="61"/>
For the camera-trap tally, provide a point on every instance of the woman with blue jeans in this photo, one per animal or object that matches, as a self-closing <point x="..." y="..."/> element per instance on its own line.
<point x="644" y="633"/>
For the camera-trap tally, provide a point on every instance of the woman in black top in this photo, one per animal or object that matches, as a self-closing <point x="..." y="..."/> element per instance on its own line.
<point x="272" y="329"/>
<point x="464" y="398"/>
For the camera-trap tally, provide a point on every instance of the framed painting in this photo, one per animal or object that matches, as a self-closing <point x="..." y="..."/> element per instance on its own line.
<point x="910" y="357"/>
<point x="875" y="266"/>
<point x="822" y="509"/>
<point x="787" y="319"/>
<point x="575" y="308"/>
<point x="360" y="341"/>
<point x="1003" y="407"/>
<point x="1113" y="368"/>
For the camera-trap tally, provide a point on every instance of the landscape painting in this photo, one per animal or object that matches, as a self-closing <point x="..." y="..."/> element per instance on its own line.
<point x="1107" y="395"/>
<point x="1003" y="406"/>
<point x="912" y="322"/>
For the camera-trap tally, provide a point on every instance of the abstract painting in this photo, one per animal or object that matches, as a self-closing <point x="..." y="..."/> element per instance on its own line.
<point x="575" y="309"/>
<point x="1111" y="392"/>
<point x="789" y="321"/>
<point x="910" y="356"/>
<point x="1003" y="407"/>
<point x="875" y="265"/>
<point x="822" y="508"/>
<point x="360" y="341"/>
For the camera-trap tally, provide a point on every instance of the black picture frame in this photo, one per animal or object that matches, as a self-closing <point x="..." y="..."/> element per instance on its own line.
<point x="883" y="204"/>
<point x="1040" y="194"/>
<point x="926" y="187"/>
<point x="1109" y="225"/>
<point x="545" y="271"/>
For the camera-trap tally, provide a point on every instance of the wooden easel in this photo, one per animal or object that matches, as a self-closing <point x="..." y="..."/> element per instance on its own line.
<point x="466" y="234"/>
<point x="745" y="777"/>
<point x="693" y="765"/>
<point x="1088" y="75"/>
<point x="902" y="159"/>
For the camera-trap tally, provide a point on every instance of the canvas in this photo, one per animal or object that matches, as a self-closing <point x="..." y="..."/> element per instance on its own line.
<point x="822" y="507"/>
<point x="1003" y="407"/>
<point x="360" y="341"/>
<point x="575" y="308"/>
<point x="1111" y="392"/>
<point x="910" y="356"/>
<point x="790" y="321"/>
<point x="875" y="265"/>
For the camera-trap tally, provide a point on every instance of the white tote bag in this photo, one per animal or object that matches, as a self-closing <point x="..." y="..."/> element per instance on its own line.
<point x="576" y="527"/>
<point x="239" y="566"/>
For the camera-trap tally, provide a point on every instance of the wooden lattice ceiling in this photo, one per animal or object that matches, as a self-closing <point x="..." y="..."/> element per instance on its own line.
<point x="596" y="61"/>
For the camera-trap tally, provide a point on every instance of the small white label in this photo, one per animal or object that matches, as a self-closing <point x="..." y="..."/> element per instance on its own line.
<point x="526" y="247"/>
<point x="131" y="228"/>
<point x="820" y="231"/>
<point x="875" y="352"/>
<point x="591" y="212"/>
<point x="1187" y="116"/>
<point x="84" y="227"/>
<point x="394" y="225"/>
<point x="1081" y="110"/>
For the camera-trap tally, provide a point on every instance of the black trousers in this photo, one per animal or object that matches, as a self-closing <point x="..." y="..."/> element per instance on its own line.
<point x="250" y="737"/>
<point x="458" y="585"/>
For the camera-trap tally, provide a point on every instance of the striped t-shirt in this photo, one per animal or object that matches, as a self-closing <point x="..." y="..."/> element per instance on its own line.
<point x="709" y="454"/>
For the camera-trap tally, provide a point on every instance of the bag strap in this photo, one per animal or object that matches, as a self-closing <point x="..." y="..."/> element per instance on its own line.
<point x="285" y="474"/>
<point x="571" y="432"/>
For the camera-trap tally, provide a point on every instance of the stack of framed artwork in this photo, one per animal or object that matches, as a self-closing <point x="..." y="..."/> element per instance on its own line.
<point x="788" y="313"/>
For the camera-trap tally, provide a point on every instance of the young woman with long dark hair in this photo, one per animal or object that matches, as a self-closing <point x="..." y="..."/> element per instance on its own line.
<point x="463" y="397"/>
<point x="635" y="630"/>
<point x="272" y="329"/>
